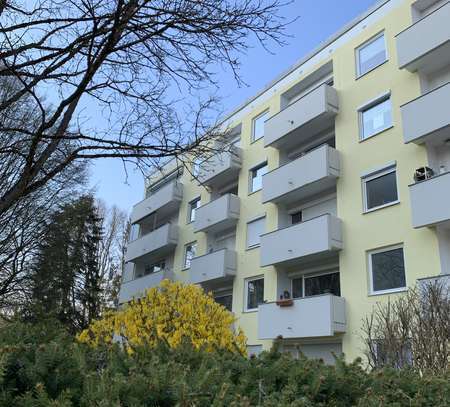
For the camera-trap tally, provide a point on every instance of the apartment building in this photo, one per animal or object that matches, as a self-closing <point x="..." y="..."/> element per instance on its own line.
<point x="334" y="193"/>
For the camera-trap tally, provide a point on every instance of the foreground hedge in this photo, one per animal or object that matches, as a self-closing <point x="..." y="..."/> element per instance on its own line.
<point x="42" y="366"/>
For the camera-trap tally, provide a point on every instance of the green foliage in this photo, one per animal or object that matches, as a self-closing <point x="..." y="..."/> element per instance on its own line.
<point x="44" y="366"/>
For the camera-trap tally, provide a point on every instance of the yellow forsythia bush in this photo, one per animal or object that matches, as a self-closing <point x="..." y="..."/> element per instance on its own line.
<point x="170" y="312"/>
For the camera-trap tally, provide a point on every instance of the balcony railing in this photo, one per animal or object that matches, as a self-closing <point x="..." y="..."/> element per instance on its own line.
<point x="304" y="177"/>
<point x="136" y="288"/>
<point x="311" y="114"/>
<point x="158" y="242"/>
<point x="212" y="267"/>
<point x="221" y="168"/>
<point x="310" y="317"/>
<point x="316" y="237"/>
<point x="430" y="201"/>
<point x="425" y="45"/>
<point x="217" y="215"/>
<point x="166" y="200"/>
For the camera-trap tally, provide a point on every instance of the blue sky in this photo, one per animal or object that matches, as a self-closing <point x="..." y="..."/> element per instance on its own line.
<point x="318" y="19"/>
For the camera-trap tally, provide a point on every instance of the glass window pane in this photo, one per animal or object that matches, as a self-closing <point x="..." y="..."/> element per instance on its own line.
<point x="376" y="118"/>
<point x="296" y="217"/>
<point x="388" y="270"/>
<point x="382" y="190"/>
<point x="254" y="230"/>
<point x="372" y="55"/>
<point x="324" y="284"/>
<point x="257" y="173"/>
<point x="189" y="254"/>
<point x="258" y="126"/>
<point x="192" y="209"/>
<point x="226" y="301"/>
<point x="297" y="287"/>
<point x="255" y="293"/>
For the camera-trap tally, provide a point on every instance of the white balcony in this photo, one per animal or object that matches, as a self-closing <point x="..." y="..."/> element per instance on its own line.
<point x="427" y="118"/>
<point x="425" y="45"/>
<point x="430" y="201"/>
<point x="313" y="239"/>
<point x="310" y="317"/>
<point x="136" y="288"/>
<point x="302" y="178"/>
<point x="221" y="168"/>
<point x="156" y="243"/>
<point x="213" y="267"/>
<point x="166" y="200"/>
<point x="217" y="215"/>
<point x="311" y="114"/>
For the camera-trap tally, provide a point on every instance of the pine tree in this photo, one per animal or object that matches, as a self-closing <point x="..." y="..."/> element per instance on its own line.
<point x="66" y="281"/>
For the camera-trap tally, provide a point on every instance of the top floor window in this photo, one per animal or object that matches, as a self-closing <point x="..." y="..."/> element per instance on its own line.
<point x="258" y="125"/>
<point x="370" y="55"/>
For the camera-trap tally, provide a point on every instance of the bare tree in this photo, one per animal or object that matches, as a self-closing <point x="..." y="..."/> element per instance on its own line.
<point x="126" y="63"/>
<point x="413" y="330"/>
<point x="110" y="253"/>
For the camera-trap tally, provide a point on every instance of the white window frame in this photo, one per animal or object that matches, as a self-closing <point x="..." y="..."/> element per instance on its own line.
<point x="254" y="125"/>
<point x="359" y="74"/>
<point x="369" y="263"/>
<point x="250" y="176"/>
<point x="193" y="243"/>
<point x="311" y="275"/>
<point x="191" y="210"/>
<point x="246" y="281"/>
<point x="372" y="176"/>
<point x="246" y="232"/>
<point x="367" y="106"/>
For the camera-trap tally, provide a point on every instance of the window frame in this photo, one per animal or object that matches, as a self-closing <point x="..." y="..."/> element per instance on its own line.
<point x="369" y="177"/>
<point x="192" y="210"/>
<point x="369" y="105"/>
<point x="372" y="39"/>
<point x="370" y="270"/>
<point x="193" y="243"/>
<point x="312" y="275"/>
<point x="251" y="178"/>
<point x="259" y="116"/>
<point x="246" y="233"/>
<point x="246" y="282"/>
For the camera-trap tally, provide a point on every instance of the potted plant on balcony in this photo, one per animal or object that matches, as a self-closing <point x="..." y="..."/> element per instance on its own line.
<point x="285" y="300"/>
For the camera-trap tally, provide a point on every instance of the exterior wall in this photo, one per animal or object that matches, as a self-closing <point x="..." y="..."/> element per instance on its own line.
<point x="361" y="232"/>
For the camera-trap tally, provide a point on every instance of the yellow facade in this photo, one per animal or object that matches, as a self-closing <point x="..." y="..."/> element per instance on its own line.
<point x="361" y="232"/>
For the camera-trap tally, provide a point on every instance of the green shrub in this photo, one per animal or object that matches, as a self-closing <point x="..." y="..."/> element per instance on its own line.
<point x="41" y="365"/>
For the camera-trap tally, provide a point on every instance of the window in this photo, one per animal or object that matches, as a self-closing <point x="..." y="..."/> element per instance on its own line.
<point x="134" y="232"/>
<point x="380" y="189"/>
<point x="307" y="286"/>
<point x="258" y="125"/>
<point x="255" y="229"/>
<point x="193" y="206"/>
<point x="387" y="270"/>
<point x="150" y="269"/>
<point x="296" y="217"/>
<point x="256" y="174"/>
<point x="225" y="300"/>
<point x="189" y="253"/>
<point x="196" y="167"/>
<point x="375" y="117"/>
<point x="254" y="290"/>
<point x="370" y="55"/>
<point x="398" y="356"/>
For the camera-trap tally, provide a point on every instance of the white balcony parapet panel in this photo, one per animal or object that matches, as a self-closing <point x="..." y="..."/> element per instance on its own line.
<point x="221" y="167"/>
<point x="320" y="236"/>
<point x="309" y="317"/>
<point x="427" y="118"/>
<point x="216" y="266"/>
<point x="425" y="45"/>
<point x="311" y="114"/>
<point x="136" y="288"/>
<point x="217" y="215"/>
<point x="166" y="200"/>
<point x="304" y="177"/>
<point x="430" y="201"/>
<point x="442" y="280"/>
<point x="158" y="242"/>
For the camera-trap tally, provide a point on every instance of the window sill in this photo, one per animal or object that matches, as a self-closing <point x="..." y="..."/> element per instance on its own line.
<point x="255" y="141"/>
<point x="254" y="192"/>
<point x="186" y="268"/>
<point x="361" y="140"/>
<point x="381" y="207"/>
<point x="359" y="76"/>
<point x="385" y="292"/>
